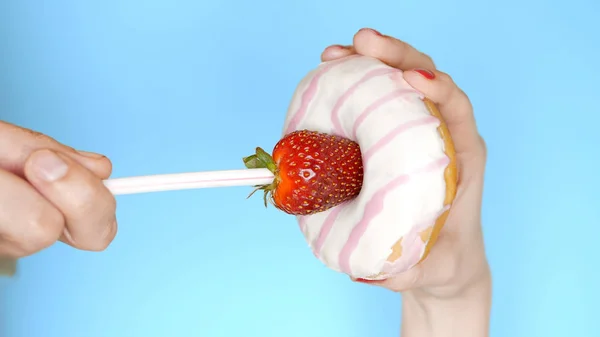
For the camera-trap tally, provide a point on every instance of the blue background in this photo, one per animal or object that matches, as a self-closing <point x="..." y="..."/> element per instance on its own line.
<point x="172" y="86"/>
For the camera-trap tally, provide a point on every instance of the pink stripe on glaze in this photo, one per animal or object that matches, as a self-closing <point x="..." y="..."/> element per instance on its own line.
<point x="335" y="118"/>
<point x="374" y="207"/>
<point x="378" y="103"/>
<point x="326" y="228"/>
<point x="310" y="92"/>
<point x="397" y="131"/>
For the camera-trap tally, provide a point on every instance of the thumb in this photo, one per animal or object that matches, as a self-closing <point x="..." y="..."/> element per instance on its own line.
<point x="17" y="144"/>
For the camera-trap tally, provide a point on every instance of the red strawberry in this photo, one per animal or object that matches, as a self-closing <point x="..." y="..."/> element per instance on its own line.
<point x="313" y="172"/>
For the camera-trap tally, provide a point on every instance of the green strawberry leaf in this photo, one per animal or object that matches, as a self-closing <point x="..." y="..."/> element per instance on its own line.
<point x="253" y="162"/>
<point x="267" y="159"/>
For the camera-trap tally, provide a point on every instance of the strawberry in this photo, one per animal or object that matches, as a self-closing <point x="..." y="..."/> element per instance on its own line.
<point x="313" y="172"/>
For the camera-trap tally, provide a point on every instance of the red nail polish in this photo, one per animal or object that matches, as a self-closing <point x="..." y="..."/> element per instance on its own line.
<point x="426" y="73"/>
<point x="362" y="280"/>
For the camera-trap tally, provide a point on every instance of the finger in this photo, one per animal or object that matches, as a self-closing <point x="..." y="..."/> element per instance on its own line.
<point x="389" y="50"/>
<point x="87" y="205"/>
<point x="336" y="52"/>
<point x="17" y="144"/>
<point x="28" y="222"/>
<point x="454" y="106"/>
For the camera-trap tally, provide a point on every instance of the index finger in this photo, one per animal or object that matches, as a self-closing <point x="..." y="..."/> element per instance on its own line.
<point x="455" y="107"/>
<point x="17" y="144"/>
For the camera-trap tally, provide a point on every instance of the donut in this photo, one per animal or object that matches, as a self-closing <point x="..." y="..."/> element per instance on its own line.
<point x="410" y="173"/>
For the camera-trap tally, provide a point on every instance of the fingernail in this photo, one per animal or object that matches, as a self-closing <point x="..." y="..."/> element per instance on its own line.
<point x="372" y="31"/>
<point x="362" y="280"/>
<point x="91" y="154"/>
<point x="48" y="166"/>
<point x="425" y="73"/>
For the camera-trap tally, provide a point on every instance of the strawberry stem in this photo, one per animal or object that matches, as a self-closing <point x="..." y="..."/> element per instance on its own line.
<point x="261" y="159"/>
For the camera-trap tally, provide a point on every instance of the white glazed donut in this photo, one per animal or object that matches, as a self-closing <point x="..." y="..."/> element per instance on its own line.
<point x="407" y="187"/>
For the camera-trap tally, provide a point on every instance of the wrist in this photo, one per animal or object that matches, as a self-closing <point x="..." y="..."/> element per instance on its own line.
<point x="465" y="315"/>
<point x="8" y="266"/>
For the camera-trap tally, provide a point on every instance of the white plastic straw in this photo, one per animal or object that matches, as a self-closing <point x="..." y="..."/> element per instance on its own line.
<point x="185" y="181"/>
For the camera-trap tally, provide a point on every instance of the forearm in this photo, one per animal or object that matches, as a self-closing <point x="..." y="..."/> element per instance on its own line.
<point x="464" y="316"/>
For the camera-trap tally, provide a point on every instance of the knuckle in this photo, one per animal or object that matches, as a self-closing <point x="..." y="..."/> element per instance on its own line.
<point x="403" y="47"/>
<point x="428" y="59"/>
<point x="483" y="147"/>
<point x="44" y="140"/>
<point x="457" y="98"/>
<point x="450" y="91"/>
<point x="404" y="52"/>
<point x="445" y="78"/>
<point x="40" y="137"/>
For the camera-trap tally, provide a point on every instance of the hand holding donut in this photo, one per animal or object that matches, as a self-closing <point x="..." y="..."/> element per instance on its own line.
<point x="454" y="280"/>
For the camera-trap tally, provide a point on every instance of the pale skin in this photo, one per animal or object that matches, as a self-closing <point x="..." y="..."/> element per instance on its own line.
<point x="52" y="193"/>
